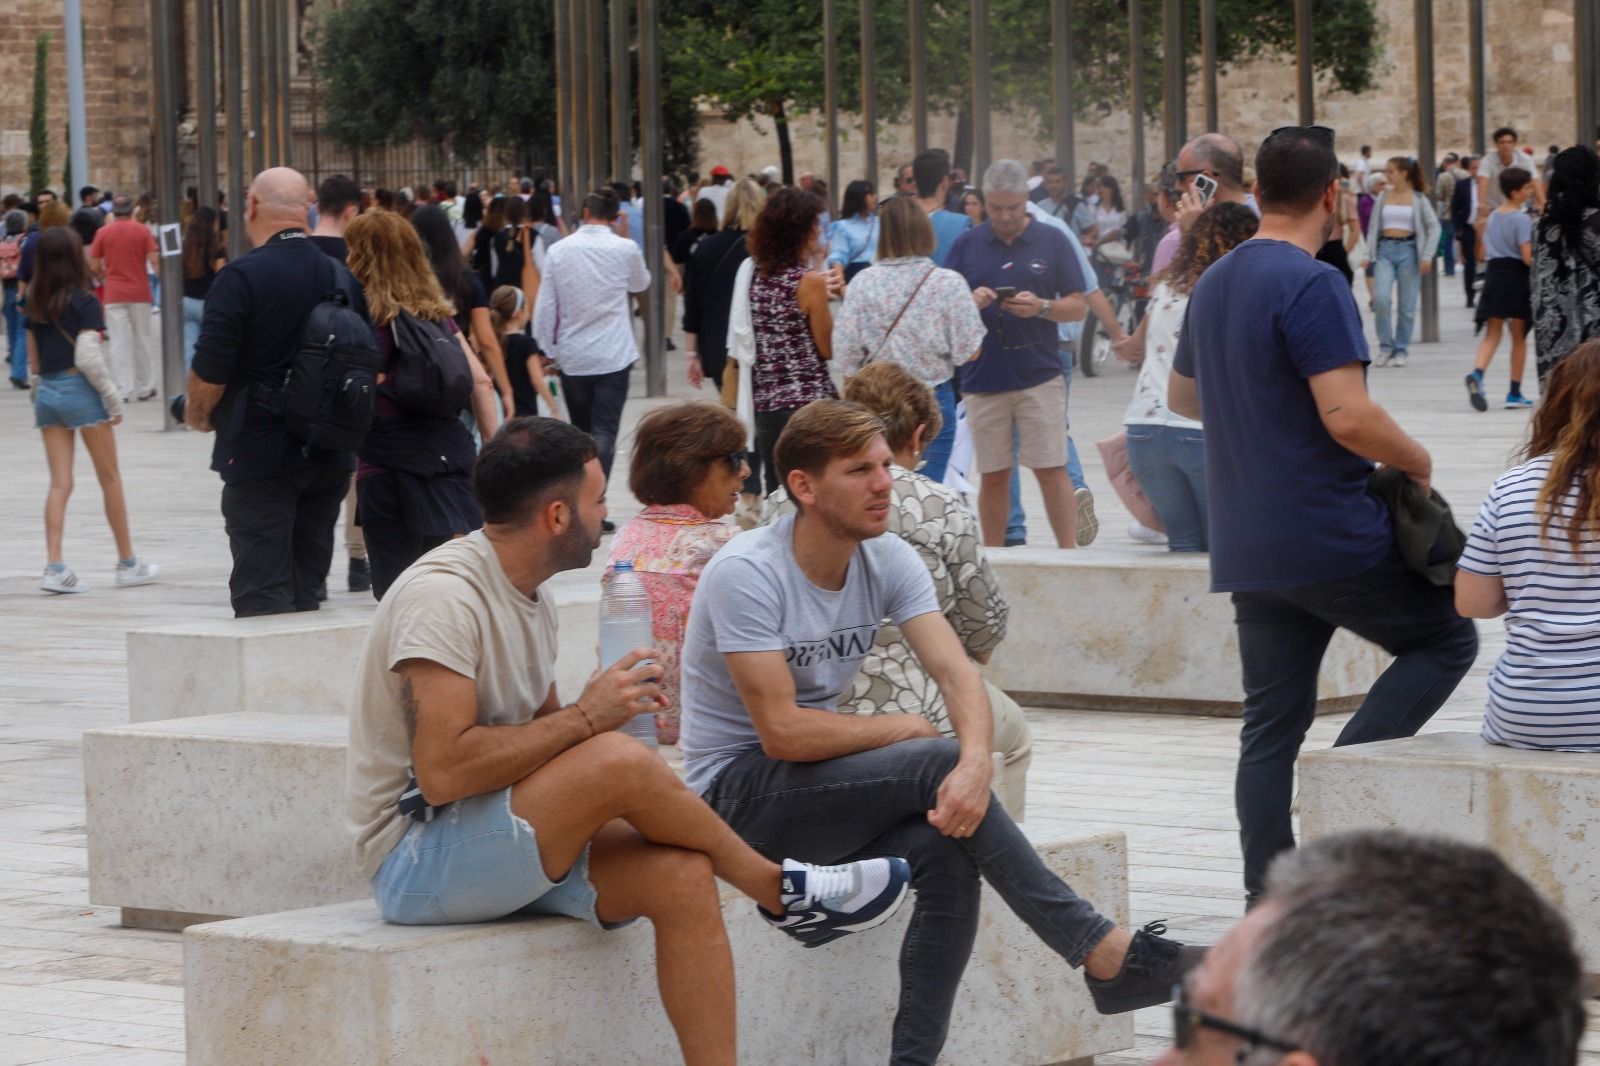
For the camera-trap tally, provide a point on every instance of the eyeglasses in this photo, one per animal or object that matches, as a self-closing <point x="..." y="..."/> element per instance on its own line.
<point x="1185" y="175"/>
<point x="1317" y="133"/>
<point x="1187" y="1021"/>
<point x="735" y="461"/>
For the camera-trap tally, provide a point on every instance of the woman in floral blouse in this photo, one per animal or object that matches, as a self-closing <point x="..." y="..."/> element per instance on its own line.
<point x="945" y="533"/>
<point x="687" y="468"/>
<point x="906" y="310"/>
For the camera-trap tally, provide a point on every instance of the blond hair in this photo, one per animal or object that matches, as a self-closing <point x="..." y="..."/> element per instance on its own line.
<point x="388" y="259"/>
<point x="744" y="204"/>
<point x="904" y="230"/>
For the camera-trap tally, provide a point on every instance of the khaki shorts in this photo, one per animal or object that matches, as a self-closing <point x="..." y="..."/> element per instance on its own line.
<point x="1039" y="415"/>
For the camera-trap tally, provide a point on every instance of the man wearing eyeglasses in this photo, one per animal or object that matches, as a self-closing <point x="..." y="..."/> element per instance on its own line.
<point x="1351" y="961"/>
<point x="1273" y="356"/>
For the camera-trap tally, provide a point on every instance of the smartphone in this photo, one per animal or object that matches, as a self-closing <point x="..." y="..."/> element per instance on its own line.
<point x="1206" y="186"/>
<point x="1005" y="292"/>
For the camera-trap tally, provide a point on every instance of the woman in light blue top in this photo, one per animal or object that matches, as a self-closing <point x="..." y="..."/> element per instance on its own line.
<point x="853" y="239"/>
<point x="1402" y="239"/>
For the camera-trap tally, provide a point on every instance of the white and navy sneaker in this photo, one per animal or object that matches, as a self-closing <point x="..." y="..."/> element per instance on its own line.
<point x="823" y="903"/>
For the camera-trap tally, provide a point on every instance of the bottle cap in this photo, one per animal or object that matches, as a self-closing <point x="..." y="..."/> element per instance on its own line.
<point x="622" y="565"/>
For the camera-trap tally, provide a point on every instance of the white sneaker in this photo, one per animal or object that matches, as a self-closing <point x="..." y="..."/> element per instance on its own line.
<point x="823" y="903"/>
<point x="62" y="581"/>
<point x="140" y="573"/>
<point x="1142" y="533"/>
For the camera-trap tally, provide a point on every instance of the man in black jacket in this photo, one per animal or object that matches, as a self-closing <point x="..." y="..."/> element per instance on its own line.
<point x="1462" y="213"/>
<point x="280" y="498"/>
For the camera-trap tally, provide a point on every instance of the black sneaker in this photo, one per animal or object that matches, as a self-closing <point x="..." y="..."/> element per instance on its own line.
<point x="1475" y="393"/>
<point x="1153" y="966"/>
<point x="360" y="576"/>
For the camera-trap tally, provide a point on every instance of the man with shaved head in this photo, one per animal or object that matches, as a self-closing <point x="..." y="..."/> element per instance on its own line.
<point x="280" y="498"/>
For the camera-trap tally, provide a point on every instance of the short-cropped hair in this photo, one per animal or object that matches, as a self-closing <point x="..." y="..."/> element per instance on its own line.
<point x="905" y="230"/>
<point x="901" y="402"/>
<point x="673" y="447"/>
<point x="1512" y="179"/>
<point x="337" y="193"/>
<point x="930" y="167"/>
<point x="602" y="205"/>
<point x="822" y="431"/>
<point x="1293" y="170"/>
<point x="1391" y="949"/>
<point x="531" y="460"/>
<point x="1006" y="176"/>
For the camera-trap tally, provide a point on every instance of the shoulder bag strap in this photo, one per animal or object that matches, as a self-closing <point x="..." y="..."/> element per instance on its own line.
<point x="903" y="308"/>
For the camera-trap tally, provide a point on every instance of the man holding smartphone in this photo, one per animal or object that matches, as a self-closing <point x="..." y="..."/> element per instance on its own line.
<point x="1026" y="281"/>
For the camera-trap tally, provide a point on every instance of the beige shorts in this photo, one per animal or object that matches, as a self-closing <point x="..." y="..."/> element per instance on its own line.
<point x="1039" y="415"/>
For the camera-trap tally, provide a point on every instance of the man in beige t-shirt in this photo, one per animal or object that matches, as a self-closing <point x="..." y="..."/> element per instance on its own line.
<point x="474" y="793"/>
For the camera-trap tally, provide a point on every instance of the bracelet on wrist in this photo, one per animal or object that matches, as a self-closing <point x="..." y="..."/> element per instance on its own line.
<point x="586" y="721"/>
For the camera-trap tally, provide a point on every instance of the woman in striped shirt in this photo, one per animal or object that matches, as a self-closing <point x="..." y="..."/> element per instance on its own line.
<point x="1534" y="556"/>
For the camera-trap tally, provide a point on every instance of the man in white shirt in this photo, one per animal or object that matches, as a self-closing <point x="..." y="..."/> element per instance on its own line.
<point x="1505" y="156"/>
<point x="581" y="318"/>
<point x="717" y="191"/>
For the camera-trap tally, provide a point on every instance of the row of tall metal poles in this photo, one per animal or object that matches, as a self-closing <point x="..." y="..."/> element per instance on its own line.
<point x="591" y="152"/>
<point x="263" y="54"/>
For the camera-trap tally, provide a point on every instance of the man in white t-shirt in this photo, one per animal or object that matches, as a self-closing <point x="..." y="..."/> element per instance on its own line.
<point x="473" y="792"/>
<point x="1505" y="156"/>
<point x="717" y="191"/>
<point x="783" y="617"/>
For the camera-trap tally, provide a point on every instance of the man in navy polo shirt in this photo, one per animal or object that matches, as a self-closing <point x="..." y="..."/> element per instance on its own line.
<point x="1273" y="355"/>
<point x="1016" y="385"/>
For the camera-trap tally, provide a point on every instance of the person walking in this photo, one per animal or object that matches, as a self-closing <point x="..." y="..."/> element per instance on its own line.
<point x="1273" y="359"/>
<point x="122" y="256"/>
<point x="15" y="232"/>
<point x="414" y="478"/>
<point x="338" y="203"/>
<point x="907" y="311"/>
<point x="75" y="398"/>
<point x="1442" y="194"/>
<point x="582" y="318"/>
<point x="1566" y="260"/>
<point x="466" y="293"/>
<point x="1402" y="239"/>
<point x="1463" y="211"/>
<point x="203" y="255"/>
<point x="853" y="237"/>
<point x="510" y="311"/>
<point x="1508" y="244"/>
<point x="708" y="285"/>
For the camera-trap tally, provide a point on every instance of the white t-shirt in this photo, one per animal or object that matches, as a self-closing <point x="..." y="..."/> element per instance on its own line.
<point x="718" y="195"/>
<point x="1149" y="404"/>
<point x="455" y="607"/>
<point x="752" y="597"/>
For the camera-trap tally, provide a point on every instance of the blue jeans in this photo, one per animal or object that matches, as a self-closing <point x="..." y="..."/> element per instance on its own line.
<point x="1448" y="239"/>
<point x="1170" y="463"/>
<point x="1017" y="520"/>
<point x="876" y="803"/>
<point x="936" y="459"/>
<point x="16" y="337"/>
<point x="193" y="311"/>
<point x="1396" y="264"/>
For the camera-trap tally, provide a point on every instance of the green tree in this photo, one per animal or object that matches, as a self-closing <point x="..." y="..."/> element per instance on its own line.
<point x="38" y="130"/>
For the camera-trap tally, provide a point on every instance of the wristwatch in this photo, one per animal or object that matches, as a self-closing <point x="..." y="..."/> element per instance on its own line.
<point x="1044" y="309"/>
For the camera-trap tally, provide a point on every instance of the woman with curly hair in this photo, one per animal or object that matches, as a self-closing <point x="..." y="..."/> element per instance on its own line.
<point x="414" y="476"/>
<point x="1531" y="557"/>
<point x="1566" y="259"/>
<point x="792" y="323"/>
<point x="1165" y="450"/>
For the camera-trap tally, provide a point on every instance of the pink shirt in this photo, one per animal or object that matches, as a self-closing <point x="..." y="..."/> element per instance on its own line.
<point x="1166" y="248"/>
<point x="125" y="246"/>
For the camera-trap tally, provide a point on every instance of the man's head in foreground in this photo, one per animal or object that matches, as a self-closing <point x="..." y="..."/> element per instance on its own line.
<point x="541" y="489"/>
<point x="834" y="460"/>
<point x="1385" y="949"/>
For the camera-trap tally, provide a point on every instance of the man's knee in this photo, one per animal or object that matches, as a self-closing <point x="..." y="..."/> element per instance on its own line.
<point x="682" y="883"/>
<point x="619" y="757"/>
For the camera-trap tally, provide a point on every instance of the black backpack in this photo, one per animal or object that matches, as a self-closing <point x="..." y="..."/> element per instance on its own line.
<point x="331" y="385"/>
<point x="431" y="375"/>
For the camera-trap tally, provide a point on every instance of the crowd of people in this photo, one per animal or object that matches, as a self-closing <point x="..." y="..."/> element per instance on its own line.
<point x="453" y="374"/>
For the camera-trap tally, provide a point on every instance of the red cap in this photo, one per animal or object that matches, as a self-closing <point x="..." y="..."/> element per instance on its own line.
<point x="720" y="171"/>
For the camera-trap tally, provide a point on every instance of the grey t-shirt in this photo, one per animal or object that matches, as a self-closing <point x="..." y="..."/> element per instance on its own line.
<point x="1505" y="235"/>
<point x="753" y="596"/>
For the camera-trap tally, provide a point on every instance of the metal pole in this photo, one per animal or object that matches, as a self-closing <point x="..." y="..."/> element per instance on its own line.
<point x="1478" y="85"/>
<point x="164" y="15"/>
<point x="595" y="44"/>
<point x="77" y="112"/>
<point x="563" y="29"/>
<point x="286" y="42"/>
<point x="830" y="93"/>
<point x="1208" y="60"/>
<point x="205" y="99"/>
<point x="655" y="361"/>
<point x="1426" y="153"/>
<point x="1305" y="87"/>
<point x="1586" y="68"/>
<point x="233" y="91"/>
<point x="258" y="91"/>
<point x="1061" y="104"/>
<point x="621" y="127"/>
<point x="1136" y="98"/>
<point x="1175" y="78"/>
<point x="583" y="178"/>
<point x="980" y="90"/>
<point x="869" y="93"/>
<point x="270" y="41"/>
<point x="917" y="39"/>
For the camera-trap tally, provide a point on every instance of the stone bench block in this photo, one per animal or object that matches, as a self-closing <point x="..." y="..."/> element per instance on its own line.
<point x="1535" y="809"/>
<point x="336" y="986"/>
<point x="1129" y="629"/>
<point x="222" y="815"/>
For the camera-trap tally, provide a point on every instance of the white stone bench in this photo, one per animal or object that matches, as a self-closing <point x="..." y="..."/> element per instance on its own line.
<point x="1535" y="809"/>
<point x="336" y="986"/>
<point x="1131" y="629"/>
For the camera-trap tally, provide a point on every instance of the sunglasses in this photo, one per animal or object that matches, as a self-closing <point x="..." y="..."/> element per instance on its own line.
<point x="1187" y="1021"/>
<point x="1316" y="133"/>
<point x="735" y="461"/>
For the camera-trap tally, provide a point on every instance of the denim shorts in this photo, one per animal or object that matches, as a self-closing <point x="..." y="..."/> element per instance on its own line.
<point x="474" y="862"/>
<point x="66" y="398"/>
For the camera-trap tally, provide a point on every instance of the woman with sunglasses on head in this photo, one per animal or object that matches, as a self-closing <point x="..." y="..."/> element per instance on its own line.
<point x="687" y="469"/>
<point x="1402" y="238"/>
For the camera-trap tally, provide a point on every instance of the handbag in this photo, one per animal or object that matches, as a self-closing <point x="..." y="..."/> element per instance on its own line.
<point x="1114" y="454"/>
<point x="89" y="359"/>
<point x="903" y="308"/>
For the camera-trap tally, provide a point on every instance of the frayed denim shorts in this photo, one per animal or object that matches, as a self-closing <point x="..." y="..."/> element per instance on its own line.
<point x="66" y="398"/>
<point x="474" y="862"/>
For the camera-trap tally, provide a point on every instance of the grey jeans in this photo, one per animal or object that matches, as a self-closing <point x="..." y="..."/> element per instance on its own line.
<point x="876" y="803"/>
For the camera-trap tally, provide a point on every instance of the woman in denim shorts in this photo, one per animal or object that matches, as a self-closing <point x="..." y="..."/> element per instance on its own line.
<point x="69" y="400"/>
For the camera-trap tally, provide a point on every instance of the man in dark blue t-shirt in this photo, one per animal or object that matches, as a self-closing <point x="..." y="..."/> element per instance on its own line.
<point x="1273" y="357"/>
<point x="1026" y="281"/>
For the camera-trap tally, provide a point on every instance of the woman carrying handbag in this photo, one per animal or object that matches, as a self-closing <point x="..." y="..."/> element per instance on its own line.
<point x="74" y="395"/>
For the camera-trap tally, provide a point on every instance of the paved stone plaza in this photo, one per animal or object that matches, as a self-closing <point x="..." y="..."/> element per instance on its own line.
<point x="77" y="988"/>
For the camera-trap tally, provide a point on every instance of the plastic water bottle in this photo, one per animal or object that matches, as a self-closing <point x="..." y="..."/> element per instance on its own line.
<point x="624" y="626"/>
